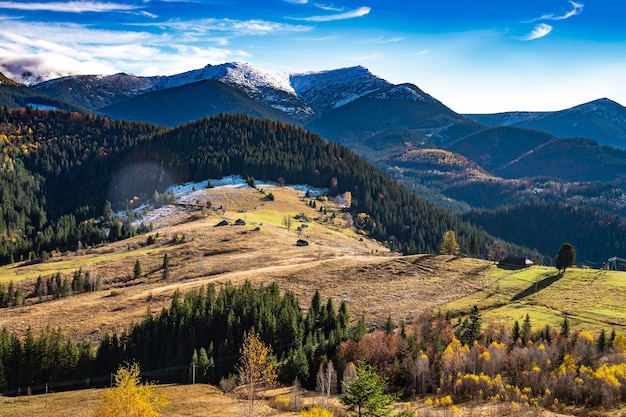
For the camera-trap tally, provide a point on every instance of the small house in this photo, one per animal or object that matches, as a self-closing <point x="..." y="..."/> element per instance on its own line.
<point x="516" y="261"/>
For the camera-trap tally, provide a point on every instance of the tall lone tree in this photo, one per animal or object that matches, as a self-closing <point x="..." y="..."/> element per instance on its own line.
<point x="449" y="246"/>
<point x="566" y="257"/>
<point x="257" y="369"/>
<point x="137" y="270"/>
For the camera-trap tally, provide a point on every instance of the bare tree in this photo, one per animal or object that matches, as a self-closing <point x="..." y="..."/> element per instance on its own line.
<point x="327" y="380"/>
<point x="496" y="250"/>
<point x="287" y="222"/>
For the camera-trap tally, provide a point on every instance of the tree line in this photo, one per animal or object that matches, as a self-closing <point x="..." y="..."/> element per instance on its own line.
<point x="443" y="358"/>
<point x="205" y="327"/>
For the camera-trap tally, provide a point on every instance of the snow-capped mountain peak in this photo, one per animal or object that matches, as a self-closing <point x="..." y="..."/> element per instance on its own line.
<point x="241" y="74"/>
<point x="324" y="90"/>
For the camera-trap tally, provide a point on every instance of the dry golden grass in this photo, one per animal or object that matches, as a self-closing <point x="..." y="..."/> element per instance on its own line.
<point x="337" y="262"/>
<point x="202" y="254"/>
<point x="207" y="401"/>
<point x="185" y="400"/>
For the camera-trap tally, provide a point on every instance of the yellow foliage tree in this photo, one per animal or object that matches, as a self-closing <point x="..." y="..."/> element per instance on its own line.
<point x="130" y="398"/>
<point x="619" y="343"/>
<point x="257" y="369"/>
<point x="449" y="246"/>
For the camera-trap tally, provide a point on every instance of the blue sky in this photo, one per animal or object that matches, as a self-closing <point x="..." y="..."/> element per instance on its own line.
<point x="475" y="56"/>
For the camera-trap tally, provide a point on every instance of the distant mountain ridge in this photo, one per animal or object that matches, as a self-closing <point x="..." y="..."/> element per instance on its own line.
<point x="300" y="96"/>
<point x="602" y="120"/>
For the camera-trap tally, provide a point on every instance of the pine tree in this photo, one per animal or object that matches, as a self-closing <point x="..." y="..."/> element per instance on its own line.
<point x="526" y="327"/>
<point x="360" y="330"/>
<point x="137" y="270"/>
<point x="565" y="330"/>
<point x="471" y="332"/>
<point x="601" y="342"/>
<point x="473" y="247"/>
<point x="389" y="326"/>
<point x="515" y="333"/>
<point x="365" y="395"/>
<point x="166" y="267"/>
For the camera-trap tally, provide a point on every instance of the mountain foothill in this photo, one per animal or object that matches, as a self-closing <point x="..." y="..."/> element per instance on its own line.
<point x="421" y="168"/>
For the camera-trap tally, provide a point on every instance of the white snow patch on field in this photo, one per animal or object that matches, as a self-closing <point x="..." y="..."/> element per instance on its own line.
<point x="192" y="192"/>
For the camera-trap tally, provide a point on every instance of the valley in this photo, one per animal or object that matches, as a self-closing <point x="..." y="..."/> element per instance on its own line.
<point x="568" y="158"/>
<point x="143" y="282"/>
<point x="339" y="263"/>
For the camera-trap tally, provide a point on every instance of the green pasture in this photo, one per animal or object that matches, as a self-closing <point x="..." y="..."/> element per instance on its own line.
<point x="591" y="299"/>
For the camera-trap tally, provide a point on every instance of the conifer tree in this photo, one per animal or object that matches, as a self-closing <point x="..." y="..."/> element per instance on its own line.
<point x="166" y="267"/>
<point x="565" y="330"/>
<point x="389" y="326"/>
<point x="137" y="270"/>
<point x="365" y="395"/>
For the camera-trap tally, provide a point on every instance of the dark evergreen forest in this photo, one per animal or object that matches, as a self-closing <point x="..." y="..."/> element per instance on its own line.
<point x="205" y="327"/>
<point x="595" y="235"/>
<point x="60" y="170"/>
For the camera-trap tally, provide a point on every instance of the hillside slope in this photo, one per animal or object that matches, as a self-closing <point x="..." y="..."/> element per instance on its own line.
<point x="337" y="262"/>
<point x="189" y="102"/>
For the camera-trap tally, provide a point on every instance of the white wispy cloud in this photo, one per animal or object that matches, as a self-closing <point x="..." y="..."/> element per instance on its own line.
<point x="230" y="26"/>
<point x="329" y="7"/>
<point x="52" y="49"/>
<point x="43" y="67"/>
<point x="382" y="40"/>
<point x="540" y="30"/>
<point x="68" y="7"/>
<point x="577" y="9"/>
<point x="297" y="1"/>
<point x="420" y="53"/>
<point x="360" y="12"/>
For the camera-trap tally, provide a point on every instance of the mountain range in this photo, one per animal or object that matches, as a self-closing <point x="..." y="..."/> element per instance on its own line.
<point x="437" y="153"/>
<point x="602" y="120"/>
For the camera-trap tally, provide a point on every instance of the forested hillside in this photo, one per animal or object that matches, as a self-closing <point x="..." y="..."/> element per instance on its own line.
<point x="53" y="176"/>
<point x="596" y="235"/>
<point x="62" y="168"/>
<point x="206" y="327"/>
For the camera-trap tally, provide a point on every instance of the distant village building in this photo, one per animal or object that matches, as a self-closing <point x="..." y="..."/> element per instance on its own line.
<point x="516" y="261"/>
<point x="222" y="223"/>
